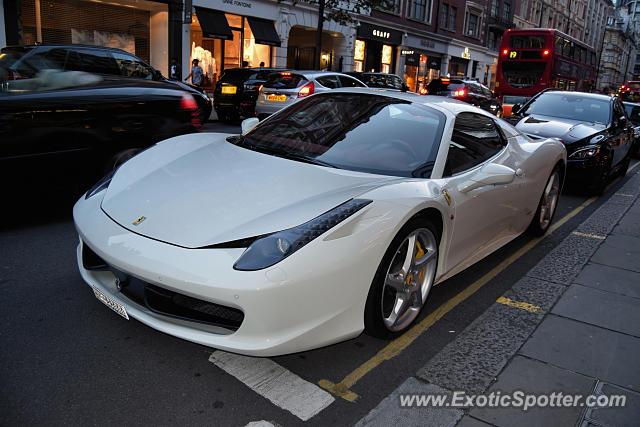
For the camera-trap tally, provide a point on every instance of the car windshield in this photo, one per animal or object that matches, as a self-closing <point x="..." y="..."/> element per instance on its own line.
<point x="284" y="80"/>
<point x="359" y="132"/>
<point x="572" y="106"/>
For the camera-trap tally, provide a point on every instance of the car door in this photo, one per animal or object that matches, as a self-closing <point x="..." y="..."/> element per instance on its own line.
<point x="483" y="216"/>
<point x="621" y="133"/>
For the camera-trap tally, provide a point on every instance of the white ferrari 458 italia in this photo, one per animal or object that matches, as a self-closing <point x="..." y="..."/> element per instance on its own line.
<point x="335" y="215"/>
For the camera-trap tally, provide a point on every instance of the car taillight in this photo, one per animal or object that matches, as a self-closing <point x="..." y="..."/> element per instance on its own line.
<point x="459" y="92"/>
<point x="260" y="88"/>
<point x="189" y="104"/>
<point x="306" y="90"/>
<point x="424" y="91"/>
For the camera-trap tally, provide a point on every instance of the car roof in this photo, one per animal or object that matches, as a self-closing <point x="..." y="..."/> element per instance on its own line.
<point x="582" y="94"/>
<point x="440" y="102"/>
<point x="67" y="45"/>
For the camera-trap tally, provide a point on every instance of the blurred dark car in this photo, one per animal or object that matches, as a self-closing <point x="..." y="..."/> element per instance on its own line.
<point x="381" y="80"/>
<point x="20" y="62"/>
<point x="236" y="92"/>
<point x="469" y="91"/>
<point x="594" y="128"/>
<point x="633" y="113"/>
<point x="70" y="128"/>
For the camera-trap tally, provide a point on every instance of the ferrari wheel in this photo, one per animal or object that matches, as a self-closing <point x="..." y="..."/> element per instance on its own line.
<point x="547" y="205"/>
<point x="403" y="280"/>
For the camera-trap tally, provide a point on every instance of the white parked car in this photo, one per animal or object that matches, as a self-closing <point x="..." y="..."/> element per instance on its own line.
<point x="334" y="216"/>
<point x="286" y="87"/>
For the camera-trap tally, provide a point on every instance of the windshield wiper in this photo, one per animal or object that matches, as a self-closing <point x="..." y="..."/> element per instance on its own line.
<point x="305" y="159"/>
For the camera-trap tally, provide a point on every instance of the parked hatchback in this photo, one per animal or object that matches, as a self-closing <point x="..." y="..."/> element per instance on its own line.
<point x="236" y="92"/>
<point x="286" y="87"/>
<point x="469" y="91"/>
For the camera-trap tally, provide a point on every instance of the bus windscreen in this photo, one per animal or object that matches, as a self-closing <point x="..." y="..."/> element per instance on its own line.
<point x="522" y="74"/>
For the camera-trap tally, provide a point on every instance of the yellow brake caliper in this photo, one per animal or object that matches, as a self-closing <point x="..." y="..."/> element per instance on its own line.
<point x="419" y="254"/>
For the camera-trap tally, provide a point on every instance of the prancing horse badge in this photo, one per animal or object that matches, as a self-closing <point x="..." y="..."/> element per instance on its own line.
<point x="139" y="220"/>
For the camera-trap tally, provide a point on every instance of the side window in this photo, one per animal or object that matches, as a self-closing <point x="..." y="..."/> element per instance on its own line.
<point x="130" y="66"/>
<point x="395" y="82"/>
<point x="346" y="81"/>
<point x="330" y="82"/>
<point x="618" y="112"/>
<point x="475" y="139"/>
<point x="92" y="61"/>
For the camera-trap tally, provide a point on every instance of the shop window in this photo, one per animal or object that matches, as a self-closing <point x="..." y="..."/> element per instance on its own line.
<point x="358" y="56"/>
<point x="255" y="54"/>
<point x="387" y="56"/>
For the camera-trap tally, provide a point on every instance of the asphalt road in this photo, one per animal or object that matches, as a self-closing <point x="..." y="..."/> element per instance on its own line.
<point x="67" y="359"/>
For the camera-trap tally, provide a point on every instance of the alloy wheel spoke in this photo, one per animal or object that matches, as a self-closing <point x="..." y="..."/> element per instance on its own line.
<point x="400" y="307"/>
<point x="395" y="281"/>
<point x="409" y="258"/>
<point x="424" y="259"/>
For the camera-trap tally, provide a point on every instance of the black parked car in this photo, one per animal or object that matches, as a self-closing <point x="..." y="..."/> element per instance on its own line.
<point x="593" y="127"/>
<point x="380" y="80"/>
<point x="236" y="92"/>
<point x="19" y="62"/>
<point x="70" y="127"/>
<point x="633" y="112"/>
<point x="469" y="91"/>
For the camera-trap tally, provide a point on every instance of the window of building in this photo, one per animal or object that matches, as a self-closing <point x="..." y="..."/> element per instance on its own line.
<point x="443" y="15"/>
<point x="395" y="9"/>
<point x="472" y="26"/>
<point x="420" y="10"/>
<point x="506" y="11"/>
<point x="453" y="12"/>
<point x="494" y="8"/>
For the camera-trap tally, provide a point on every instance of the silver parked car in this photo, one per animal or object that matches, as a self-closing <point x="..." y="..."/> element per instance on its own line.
<point x="285" y="87"/>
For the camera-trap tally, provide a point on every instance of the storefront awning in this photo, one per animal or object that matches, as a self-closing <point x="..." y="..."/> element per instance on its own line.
<point x="264" y="31"/>
<point x="213" y="23"/>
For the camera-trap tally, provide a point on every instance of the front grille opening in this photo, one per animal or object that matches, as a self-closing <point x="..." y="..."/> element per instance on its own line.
<point x="169" y="303"/>
<point x="179" y="306"/>
<point x="91" y="260"/>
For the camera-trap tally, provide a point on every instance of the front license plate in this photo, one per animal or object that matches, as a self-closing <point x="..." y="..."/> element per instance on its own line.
<point x="280" y="98"/>
<point x="117" y="307"/>
<point x="229" y="90"/>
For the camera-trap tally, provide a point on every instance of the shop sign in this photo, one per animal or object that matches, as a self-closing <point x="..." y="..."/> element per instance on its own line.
<point x="407" y="52"/>
<point x="466" y="54"/>
<point x="427" y="43"/>
<point x="374" y="32"/>
<point x="412" y="59"/>
<point x="188" y="11"/>
<point x="433" y="62"/>
<point x="242" y="7"/>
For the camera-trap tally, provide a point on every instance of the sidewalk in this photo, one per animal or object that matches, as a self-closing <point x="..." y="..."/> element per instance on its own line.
<point x="571" y="325"/>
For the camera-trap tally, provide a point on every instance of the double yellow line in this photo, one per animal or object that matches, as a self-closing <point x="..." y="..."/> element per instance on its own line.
<point x="395" y="347"/>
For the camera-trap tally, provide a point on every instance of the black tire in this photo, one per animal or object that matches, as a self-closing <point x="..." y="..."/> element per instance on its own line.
<point x="540" y="222"/>
<point x="374" y="320"/>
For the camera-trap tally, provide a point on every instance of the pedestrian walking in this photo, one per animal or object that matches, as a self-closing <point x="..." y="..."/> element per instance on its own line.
<point x="196" y="73"/>
<point x="174" y="70"/>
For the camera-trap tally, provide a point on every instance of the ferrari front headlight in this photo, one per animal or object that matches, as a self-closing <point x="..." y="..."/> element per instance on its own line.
<point x="269" y="250"/>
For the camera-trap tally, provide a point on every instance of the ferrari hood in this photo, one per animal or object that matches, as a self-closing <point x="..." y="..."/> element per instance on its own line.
<point x="552" y="127"/>
<point x="197" y="190"/>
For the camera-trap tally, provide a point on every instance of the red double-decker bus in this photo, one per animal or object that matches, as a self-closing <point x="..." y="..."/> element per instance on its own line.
<point x="533" y="59"/>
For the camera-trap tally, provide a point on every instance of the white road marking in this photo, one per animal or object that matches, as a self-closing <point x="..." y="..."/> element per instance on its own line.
<point x="592" y="236"/>
<point x="270" y="380"/>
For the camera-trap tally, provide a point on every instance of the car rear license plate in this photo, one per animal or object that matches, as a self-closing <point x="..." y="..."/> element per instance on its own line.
<point x="229" y="90"/>
<point x="280" y="98"/>
<point x="117" y="307"/>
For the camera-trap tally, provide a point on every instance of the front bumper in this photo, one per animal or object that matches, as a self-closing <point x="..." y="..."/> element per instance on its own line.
<point x="587" y="172"/>
<point x="313" y="298"/>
